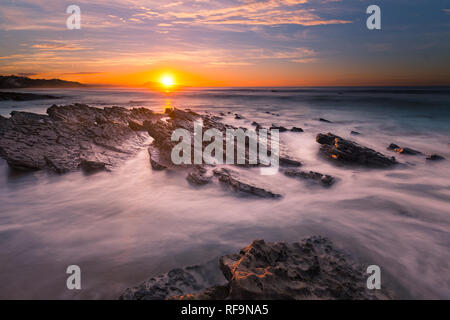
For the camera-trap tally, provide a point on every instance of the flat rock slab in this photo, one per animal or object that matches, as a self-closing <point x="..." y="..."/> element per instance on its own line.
<point x="345" y="151"/>
<point x="239" y="184"/>
<point x="72" y="137"/>
<point x="324" y="179"/>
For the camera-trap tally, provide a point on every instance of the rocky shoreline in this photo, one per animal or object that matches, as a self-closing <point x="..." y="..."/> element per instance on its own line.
<point x="80" y="137"/>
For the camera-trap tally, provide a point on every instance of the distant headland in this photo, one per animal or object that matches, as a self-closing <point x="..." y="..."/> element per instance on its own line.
<point x="16" y="82"/>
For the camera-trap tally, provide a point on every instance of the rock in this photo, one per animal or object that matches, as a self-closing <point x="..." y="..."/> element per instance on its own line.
<point x="238" y="116"/>
<point x="92" y="166"/>
<point x="178" y="282"/>
<point x="405" y="150"/>
<point x="71" y="137"/>
<point x="325" y="180"/>
<point x="256" y="124"/>
<point x="279" y="128"/>
<point x="155" y="161"/>
<point x="199" y="176"/>
<point x="355" y="133"/>
<point x="435" y="157"/>
<point x="344" y="151"/>
<point x="296" y="129"/>
<point x="22" y="96"/>
<point x="238" y="184"/>
<point x="325" y="120"/>
<point x="288" y="161"/>
<point x="310" y="269"/>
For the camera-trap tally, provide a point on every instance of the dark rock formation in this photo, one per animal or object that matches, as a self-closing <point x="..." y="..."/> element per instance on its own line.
<point x="22" y="96"/>
<point x="344" y="151"/>
<point x="435" y="157"/>
<point x="279" y="128"/>
<point x="325" y="120"/>
<point x="199" y="176"/>
<point x="154" y="159"/>
<point x="238" y="116"/>
<point x="310" y="269"/>
<point x="238" y="184"/>
<point x="71" y="137"/>
<point x="325" y="180"/>
<point x="296" y="129"/>
<point x="177" y="282"/>
<point x="404" y="150"/>
<point x="355" y="133"/>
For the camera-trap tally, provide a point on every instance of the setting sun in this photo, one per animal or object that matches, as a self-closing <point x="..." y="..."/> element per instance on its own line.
<point x="167" y="81"/>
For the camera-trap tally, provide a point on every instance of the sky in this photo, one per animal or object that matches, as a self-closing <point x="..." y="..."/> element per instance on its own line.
<point x="228" y="42"/>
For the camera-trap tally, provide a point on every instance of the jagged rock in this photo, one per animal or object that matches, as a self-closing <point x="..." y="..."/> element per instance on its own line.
<point x="178" y="282"/>
<point x="435" y="157"/>
<point x="325" y="180"/>
<point x="238" y="184"/>
<point x="256" y="124"/>
<point x="325" y="120"/>
<point x="238" y="116"/>
<point x="296" y="129"/>
<point x="340" y="150"/>
<point x="61" y="140"/>
<point x="405" y="150"/>
<point x="310" y="269"/>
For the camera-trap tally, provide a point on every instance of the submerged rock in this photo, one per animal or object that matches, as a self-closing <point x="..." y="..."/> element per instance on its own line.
<point x="340" y="150"/>
<point x="435" y="157"/>
<point x="238" y="184"/>
<point x="71" y="137"/>
<point x="404" y="150"/>
<point x="296" y="129"/>
<point x="325" y="120"/>
<point x="279" y="128"/>
<point x="355" y="133"/>
<point x="325" y="180"/>
<point x="199" y="176"/>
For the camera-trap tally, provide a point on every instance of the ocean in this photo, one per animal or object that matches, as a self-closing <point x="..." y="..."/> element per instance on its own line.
<point x="128" y="225"/>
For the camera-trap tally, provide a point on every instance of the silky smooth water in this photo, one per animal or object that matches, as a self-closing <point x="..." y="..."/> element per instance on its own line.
<point x="124" y="226"/>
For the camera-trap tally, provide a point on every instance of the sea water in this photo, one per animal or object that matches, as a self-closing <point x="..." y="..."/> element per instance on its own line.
<point x="125" y="226"/>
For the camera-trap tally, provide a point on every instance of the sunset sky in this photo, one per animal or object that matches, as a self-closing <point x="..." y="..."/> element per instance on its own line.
<point x="228" y="42"/>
